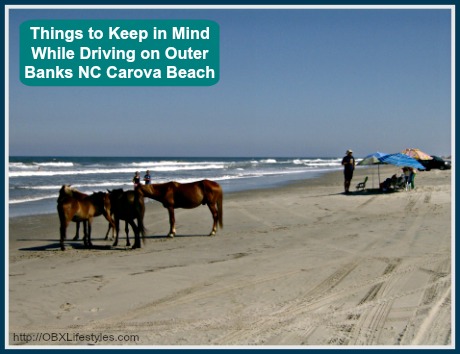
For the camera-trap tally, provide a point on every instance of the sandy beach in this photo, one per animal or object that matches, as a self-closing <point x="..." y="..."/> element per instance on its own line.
<point x="301" y="265"/>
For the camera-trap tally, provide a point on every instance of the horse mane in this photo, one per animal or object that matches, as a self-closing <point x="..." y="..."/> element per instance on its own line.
<point x="68" y="191"/>
<point x="116" y="191"/>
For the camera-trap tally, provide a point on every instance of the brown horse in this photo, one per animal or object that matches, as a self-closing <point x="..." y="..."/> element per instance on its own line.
<point x="127" y="206"/>
<point x="69" y="191"/>
<point x="175" y="195"/>
<point x="73" y="205"/>
<point x="66" y="190"/>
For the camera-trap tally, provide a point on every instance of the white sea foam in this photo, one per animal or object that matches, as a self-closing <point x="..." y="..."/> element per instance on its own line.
<point x="31" y="199"/>
<point x="268" y="161"/>
<point x="101" y="171"/>
<point x="54" y="164"/>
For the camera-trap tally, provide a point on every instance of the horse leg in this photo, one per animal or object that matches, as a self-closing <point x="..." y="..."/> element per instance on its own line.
<point x="172" y="222"/>
<point x="64" y="218"/>
<point x="127" y="231"/>
<point x="213" y="209"/>
<point x="107" y="233"/>
<point x="136" y="230"/>
<point x="117" y="230"/>
<point x="85" y="233"/>
<point x="62" y="229"/>
<point x="88" y="236"/>
<point x="109" y="218"/>
<point x="139" y="210"/>
<point x="77" y="232"/>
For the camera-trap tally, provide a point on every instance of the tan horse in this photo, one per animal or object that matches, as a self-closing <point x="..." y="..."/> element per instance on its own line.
<point x="175" y="195"/>
<point x="126" y="205"/>
<point x="73" y="205"/>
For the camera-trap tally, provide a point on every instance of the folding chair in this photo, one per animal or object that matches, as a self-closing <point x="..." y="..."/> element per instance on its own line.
<point x="362" y="185"/>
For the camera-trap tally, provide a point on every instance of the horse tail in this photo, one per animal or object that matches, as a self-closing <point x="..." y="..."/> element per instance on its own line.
<point x="220" y="209"/>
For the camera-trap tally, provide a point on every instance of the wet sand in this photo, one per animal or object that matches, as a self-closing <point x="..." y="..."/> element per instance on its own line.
<point x="301" y="266"/>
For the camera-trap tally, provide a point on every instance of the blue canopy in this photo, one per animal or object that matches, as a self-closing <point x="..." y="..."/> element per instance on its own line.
<point x="372" y="159"/>
<point x="401" y="160"/>
<point x="379" y="158"/>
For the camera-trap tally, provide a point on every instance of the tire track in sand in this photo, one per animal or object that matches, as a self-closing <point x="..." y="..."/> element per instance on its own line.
<point x="301" y="316"/>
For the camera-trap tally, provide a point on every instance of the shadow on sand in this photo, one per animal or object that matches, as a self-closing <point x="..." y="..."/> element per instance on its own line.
<point x="55" y="245"/>
<point x="374" y="191"/>
<point x="72" y="245"/>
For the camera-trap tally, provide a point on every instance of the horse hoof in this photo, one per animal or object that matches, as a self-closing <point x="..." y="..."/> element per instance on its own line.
<point x="62" y="248"/>
<point x="115" y="244"/>
<point x="75" y="238"/>
<point x="212" y="233"/>
<point x="135" y="246"/>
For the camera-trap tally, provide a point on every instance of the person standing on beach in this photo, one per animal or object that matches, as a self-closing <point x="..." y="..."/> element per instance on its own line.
<point x="147" y="177"/>
<point x="348" y="163"/>
<point x="136" y="179"/>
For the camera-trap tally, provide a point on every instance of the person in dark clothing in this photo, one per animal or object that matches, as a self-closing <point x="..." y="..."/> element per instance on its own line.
<point x="348" y="163"/>
<point x="147" y="177"/>
<point x="136" y="179"/>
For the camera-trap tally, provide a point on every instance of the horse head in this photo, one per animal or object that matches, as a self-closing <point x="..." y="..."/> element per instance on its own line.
<point x="101" y="201"/>
<point x="65" y="191"/>
<point x="115" y="194"/>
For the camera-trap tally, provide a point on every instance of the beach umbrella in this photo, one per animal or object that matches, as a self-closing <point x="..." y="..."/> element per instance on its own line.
<point x="416" y="154"/>
<point x="401" y="160"/>
<point x="398" y="159"/>
<point x="373" y="159"/>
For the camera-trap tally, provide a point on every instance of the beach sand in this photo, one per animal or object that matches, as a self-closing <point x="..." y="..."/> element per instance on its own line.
<point x="299" y="265"/>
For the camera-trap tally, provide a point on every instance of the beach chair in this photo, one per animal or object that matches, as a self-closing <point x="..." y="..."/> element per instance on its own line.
<point x="362" y="185"/>
<point x="400" y="182"/>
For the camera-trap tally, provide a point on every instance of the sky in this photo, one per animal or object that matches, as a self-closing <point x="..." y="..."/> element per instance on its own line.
<point x="293" y="83"/>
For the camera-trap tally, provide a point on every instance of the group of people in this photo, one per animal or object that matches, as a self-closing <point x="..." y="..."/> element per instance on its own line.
<point x="137" y="178"/>
<point x="348" y="162"/>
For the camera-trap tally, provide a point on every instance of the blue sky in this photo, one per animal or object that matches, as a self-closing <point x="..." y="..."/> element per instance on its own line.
<point x="293" y="83"/>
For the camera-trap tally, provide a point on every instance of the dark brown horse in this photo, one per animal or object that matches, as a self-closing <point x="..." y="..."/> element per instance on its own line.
<point x="175" y="195"/>
<point x="127" y="206"/>
<point x="73" y="205"/>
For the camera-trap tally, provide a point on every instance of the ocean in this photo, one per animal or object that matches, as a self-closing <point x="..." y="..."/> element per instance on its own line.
<point x="34" y="182"/>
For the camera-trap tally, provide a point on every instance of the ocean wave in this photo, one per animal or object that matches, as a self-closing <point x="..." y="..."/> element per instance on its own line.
<point x="268" y="161"/>
<point x="49" y="173"/>
<point x="318" y="162"/>
<point x="173" y="163"/>
<point x="55" y="164"/>
<point x="77" y="185"/>
<point x="31" y="199"/>
<point x="37" y="165"/>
